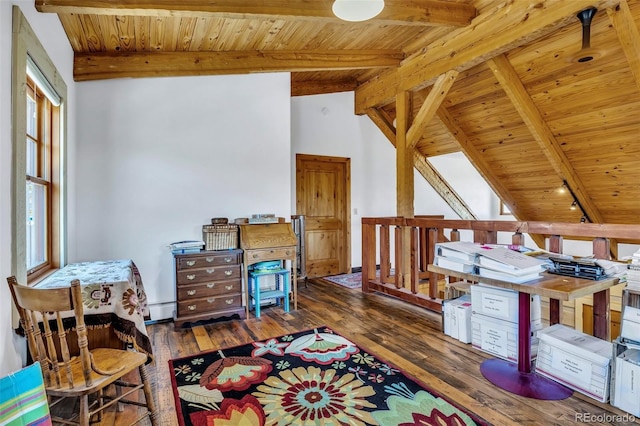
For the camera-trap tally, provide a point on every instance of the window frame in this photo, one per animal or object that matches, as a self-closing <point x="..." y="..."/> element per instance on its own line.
<point x="26" y="46"/>
<point x="45" y="140"/>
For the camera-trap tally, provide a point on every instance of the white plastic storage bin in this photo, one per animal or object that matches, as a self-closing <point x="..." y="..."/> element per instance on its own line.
<point x="625" y="377"/>
<point x="577" y="360"/>
<point x="501" y="303"/>
<point x="500" y="337"/>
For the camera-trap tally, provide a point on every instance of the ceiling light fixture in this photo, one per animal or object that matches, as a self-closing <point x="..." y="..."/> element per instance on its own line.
<point x="587" y="54"/>
<point x="357" y="10"/>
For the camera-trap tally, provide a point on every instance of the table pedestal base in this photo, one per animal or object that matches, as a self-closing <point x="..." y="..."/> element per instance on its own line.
<point x="506" y="375"/>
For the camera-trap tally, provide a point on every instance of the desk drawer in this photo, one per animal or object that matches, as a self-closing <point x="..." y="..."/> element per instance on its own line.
<point x="209" y="304"/>
<point x="212" y="273"/>
<point x="186" y="292"/>
<point x="258" y="255"/>
<point x="193" y="262"/>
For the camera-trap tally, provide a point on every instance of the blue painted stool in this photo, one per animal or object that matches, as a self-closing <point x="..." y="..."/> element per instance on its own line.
<point x="281" y="291"/>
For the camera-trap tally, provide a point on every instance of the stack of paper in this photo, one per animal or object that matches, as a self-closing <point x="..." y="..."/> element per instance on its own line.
<point x="504" y="264"/>
<point x="188" y="246"/>
<point x="458" y="256"/>
<point x="633" y="274"/>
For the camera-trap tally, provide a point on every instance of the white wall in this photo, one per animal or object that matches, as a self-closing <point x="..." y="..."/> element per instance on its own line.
<point x="50" y="33"/>
<point x="158" y="158"/>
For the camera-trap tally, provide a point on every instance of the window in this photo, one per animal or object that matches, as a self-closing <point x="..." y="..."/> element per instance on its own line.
<point x="41" y="114"/>
<point x="38" y="230"/>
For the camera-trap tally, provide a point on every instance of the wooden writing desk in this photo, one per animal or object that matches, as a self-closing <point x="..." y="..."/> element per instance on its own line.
<point x="521" y="380"/>
<point x="269" y="241"/>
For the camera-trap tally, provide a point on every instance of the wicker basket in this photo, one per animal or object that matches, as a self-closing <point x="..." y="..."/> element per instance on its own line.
<point x="220" y="237"/>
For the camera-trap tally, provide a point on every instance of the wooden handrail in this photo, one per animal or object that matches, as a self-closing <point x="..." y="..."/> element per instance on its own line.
<point x="412" y="282"/>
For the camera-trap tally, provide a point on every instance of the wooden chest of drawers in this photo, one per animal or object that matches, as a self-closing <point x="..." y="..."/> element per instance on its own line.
<point x="208" y="285"/>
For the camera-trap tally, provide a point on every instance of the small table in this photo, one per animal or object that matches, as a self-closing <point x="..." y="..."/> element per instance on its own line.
<point x="114" y="300"/>
<point x="281" y="290"/>
<point x="519" y="379"/>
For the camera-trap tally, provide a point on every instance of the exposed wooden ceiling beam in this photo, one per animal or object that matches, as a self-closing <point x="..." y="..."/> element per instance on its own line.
<point x="430" y="106"/>
<point x="396" y="12"/>
<point x="426" y="169"/>
<point x="318" y="87"/>
<point x="94" y="66"/>
<point x="628" y="34"/>
<point x="515" y="90"/>
<point x="509" y="25"/>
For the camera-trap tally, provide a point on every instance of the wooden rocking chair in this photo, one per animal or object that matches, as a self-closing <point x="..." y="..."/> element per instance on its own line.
<point x="87" y="374"/>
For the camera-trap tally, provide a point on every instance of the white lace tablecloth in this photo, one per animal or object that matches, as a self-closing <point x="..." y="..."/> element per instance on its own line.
<point x="113" y="296"/>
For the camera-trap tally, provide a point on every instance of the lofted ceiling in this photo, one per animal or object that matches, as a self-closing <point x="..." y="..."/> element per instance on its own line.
<point x="498" y="80"/>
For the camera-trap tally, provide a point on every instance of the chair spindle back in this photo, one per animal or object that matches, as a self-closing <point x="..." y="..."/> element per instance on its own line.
<point x="34" y="305"/>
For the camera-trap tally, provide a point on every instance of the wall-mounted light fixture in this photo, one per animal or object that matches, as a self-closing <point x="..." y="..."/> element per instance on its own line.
<point x="357" y="10"/>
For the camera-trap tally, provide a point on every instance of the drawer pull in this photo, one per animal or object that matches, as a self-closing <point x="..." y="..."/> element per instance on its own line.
<point x="191" y="292"/>
<point x="191" y="262"/>
<point x="191" y="307"/>
<point x="191" y="276"/>
<point x="228" y="287"/>
<point x="209" y="259"/>
<point x="211" y="300"/>
<point x="211" y="270"/>
<point x="228" y="259"/>
<point x="229" y="301"/>
<point x="255" y="255"/>
<point x="228" y="273"/>
<point x="211" y="285"/>
<point x="288" y="252"/>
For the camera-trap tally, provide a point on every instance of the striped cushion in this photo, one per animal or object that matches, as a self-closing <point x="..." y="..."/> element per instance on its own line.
<point x="23" y="400"/>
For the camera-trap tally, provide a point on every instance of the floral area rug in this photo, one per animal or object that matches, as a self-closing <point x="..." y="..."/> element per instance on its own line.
<point x="313" y="377"/>
<point x="353" y="280"/>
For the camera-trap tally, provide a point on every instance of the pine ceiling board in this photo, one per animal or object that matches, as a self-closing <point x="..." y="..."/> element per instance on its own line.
<point x="170" y="26"/>
<point x="156" y="34"/>
<point x="434" y="149"/>
<point x="589" y="94"/>
<point x="92" y="33"/>
<point x="142" y="25"/>
<point x="125" y="28"/>
<point x="613" y="141"/>
<point x="575" y="73"/>
<point x="489" y="116"/>
<point x="110" y="33"/>
<point x="364" y="75"/>
<point x="73" y="28"/>
<point x="201" y="28"/>
<point x="471" y="85"/>
<point x="315" y="40"/>
<point x="271" y="35"/>
<point x="210" y="35"/>
<point x="604" y="118"/>
<point x="185" y="35"/>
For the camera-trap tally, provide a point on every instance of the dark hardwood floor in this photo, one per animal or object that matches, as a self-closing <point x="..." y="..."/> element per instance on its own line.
<point x="407" y="336"/>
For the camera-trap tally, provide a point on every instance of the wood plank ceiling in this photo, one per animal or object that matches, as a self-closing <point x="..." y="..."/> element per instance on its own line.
<point x="543" y="129"/>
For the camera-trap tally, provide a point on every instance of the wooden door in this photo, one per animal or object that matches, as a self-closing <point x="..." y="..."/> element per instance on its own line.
<point x="323" y="197"/>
